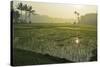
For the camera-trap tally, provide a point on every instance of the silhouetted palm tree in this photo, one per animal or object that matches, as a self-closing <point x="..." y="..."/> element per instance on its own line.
<point x="20" y="7"/>
<point x="30" y="8"/>
<point x="25" y="8"/>
<point x="77" y="15"/>
<point x="14" y="14"/>
<point x="30" y="12"/>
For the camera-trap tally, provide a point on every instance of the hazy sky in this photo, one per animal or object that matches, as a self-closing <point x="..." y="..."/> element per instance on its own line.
<point x="58" y="10"/>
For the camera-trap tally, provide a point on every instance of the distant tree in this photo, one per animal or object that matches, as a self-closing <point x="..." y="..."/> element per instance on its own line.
<point x="25" y="8"/>
<point x="16" y="16"/>
<point x="20" y="7"/>
<point x="78" y="15"/>
<point x="30" y="12"/>
<point x="90" y="18"/>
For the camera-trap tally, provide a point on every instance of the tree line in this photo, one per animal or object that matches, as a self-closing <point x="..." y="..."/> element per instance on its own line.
<point x="17" y="16"/>
<point x="90" y="18"/>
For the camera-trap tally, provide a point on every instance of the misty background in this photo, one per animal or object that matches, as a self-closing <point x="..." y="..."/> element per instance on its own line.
<point x="57" y="13"/>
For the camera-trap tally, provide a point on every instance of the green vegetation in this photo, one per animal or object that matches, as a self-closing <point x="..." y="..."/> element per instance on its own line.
<point x="24" y="57"/>
<point x="57" y="40"/>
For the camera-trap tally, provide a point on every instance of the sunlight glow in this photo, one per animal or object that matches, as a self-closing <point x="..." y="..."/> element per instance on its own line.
<point x="77" y="40"/>
<point x="59" y="10"/>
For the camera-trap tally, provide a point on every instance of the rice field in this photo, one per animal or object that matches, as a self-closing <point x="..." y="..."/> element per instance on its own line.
<point x="70" y="41"/>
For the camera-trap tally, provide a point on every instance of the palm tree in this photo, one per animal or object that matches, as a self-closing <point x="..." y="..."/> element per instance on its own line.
<point x="25" y="8"/>
<point x="30" y="12"/>
<point x="20" y="7"/>
<point x="78" y="15"/>
<point x="30" y="8"/>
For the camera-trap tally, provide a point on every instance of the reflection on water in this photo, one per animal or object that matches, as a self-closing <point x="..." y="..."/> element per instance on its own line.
<point x="77" y="40"/>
